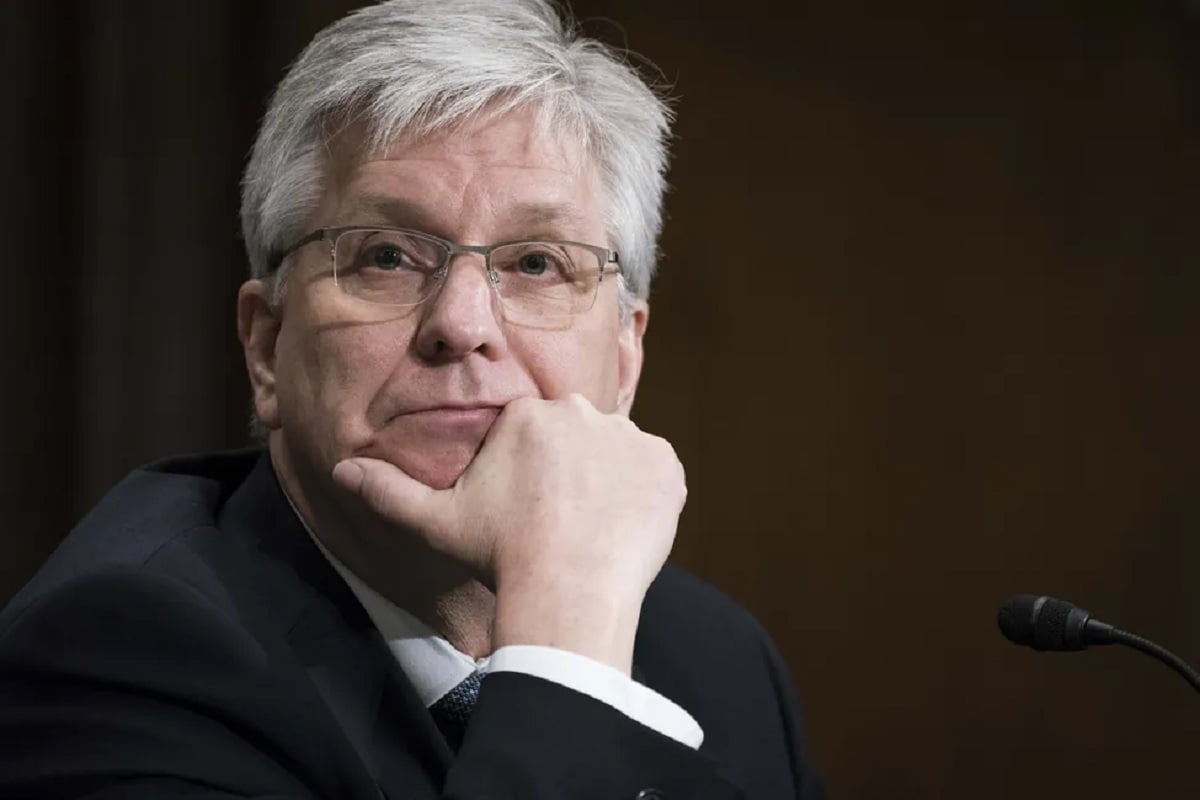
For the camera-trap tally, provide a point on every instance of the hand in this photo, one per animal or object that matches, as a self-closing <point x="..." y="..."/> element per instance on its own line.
<point x="568" y="511"/>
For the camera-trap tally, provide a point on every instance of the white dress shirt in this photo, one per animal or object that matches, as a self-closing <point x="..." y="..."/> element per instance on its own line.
<point x="435" y="666"/>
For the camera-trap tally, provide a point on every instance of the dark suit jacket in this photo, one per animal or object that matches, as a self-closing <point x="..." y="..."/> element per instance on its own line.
<point x="189" y="640"/>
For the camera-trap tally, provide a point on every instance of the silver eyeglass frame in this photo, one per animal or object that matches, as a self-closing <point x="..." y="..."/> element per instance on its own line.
<point x="608" y="260"/>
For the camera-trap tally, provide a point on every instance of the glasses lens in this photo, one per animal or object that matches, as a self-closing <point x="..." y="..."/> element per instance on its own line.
<point x="388" y="267"/>
<point x="546" y="279"/>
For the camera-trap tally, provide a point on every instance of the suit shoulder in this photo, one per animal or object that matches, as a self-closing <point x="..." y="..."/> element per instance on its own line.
<point x="125" y="613"/>
<point x="137" y="519"/>
<point x="681" y="604"/>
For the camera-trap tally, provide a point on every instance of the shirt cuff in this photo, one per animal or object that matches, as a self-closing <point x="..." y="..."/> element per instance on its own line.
<point x="602" y="682"/>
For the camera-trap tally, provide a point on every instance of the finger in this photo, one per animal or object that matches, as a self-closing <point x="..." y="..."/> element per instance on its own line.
<point x="390" y="492"/>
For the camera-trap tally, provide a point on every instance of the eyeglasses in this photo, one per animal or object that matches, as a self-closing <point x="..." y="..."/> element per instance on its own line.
<point x="399" y="267"/>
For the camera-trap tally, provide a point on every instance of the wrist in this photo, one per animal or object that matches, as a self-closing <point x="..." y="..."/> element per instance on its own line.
<point x="588" y="620"/>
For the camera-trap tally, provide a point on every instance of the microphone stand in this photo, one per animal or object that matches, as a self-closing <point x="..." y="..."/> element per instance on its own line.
<point x="1144" y="645"/>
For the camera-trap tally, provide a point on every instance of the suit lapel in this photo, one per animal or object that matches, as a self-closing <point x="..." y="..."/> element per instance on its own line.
<point x="403" y="725"/>
<point x="376" y="706"/>
<point x="348" y="663"/>
<point x="346" y="672"/>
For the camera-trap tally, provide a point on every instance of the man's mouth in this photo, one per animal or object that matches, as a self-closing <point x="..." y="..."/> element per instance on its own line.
<point x="453" y="417"/>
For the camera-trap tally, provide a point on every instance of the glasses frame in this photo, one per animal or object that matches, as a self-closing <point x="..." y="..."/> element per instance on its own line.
<point x="609" y="261"/>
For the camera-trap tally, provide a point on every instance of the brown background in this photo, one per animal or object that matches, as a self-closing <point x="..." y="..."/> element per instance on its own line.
<point x="925" y="336"/>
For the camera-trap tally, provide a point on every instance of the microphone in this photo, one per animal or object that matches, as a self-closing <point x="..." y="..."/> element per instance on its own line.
<point x="1045" y="623"/>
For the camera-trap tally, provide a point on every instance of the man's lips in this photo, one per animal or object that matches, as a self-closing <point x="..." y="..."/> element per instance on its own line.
<point x="470" y="420"/>
<point x="453" y="416"/>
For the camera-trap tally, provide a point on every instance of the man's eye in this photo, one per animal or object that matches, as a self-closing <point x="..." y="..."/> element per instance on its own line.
<point x="386" y="257"/>
<point x="538" y="264"/>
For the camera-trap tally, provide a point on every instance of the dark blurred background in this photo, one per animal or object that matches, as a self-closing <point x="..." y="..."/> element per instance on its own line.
<point x="925" y="335"/>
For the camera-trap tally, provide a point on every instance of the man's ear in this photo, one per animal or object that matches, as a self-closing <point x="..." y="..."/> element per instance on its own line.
<point x="258" y="324"/>
<point x="629" y="355"/>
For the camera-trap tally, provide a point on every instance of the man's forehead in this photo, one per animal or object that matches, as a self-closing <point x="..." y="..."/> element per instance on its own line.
<point x="518" y="139"/>
<point x="541" y="181"/>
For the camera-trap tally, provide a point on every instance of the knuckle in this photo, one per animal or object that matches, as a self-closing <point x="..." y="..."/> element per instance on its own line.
<point x="679" y="482"/>
<point x="669" y="467"/>
<point x="663" y="448"/>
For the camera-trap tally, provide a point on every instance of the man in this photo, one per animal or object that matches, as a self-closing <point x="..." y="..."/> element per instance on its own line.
<point x="444" y="576"/>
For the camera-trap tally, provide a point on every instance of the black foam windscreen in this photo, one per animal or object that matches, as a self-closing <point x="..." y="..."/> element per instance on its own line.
<point x="1016" y="618"/>
<point x="1043" y="623"/>
<point x="1050" y="625"/>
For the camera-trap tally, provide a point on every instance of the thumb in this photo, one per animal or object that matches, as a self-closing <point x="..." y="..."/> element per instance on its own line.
<point x="390" y="492"/>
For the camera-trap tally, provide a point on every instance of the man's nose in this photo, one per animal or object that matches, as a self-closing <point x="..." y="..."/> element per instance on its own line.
<point x="464" y="315"/>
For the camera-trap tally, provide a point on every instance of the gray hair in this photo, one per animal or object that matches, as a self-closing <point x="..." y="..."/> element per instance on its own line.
<point x="414" y="67"/>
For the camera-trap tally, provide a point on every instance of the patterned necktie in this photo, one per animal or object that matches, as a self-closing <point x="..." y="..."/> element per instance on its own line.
<point x="453" y="709"/>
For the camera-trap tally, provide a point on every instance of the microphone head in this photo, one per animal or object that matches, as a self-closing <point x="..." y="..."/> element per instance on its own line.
<point x="1043" y="623"/>
<point x="1016" y="618"/>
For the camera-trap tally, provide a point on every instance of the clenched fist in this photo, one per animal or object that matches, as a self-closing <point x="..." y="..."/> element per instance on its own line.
<point x="569" y="511"/>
